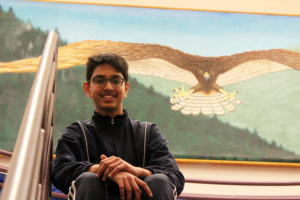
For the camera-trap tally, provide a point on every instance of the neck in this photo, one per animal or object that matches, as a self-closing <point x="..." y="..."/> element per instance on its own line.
<point x="110" y="113"/>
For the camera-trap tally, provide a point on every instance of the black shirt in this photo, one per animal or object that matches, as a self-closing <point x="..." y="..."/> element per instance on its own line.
<point x="121" y="136"/>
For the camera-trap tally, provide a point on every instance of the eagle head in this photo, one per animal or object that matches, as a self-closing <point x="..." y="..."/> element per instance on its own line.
<point x="206" y="74"/>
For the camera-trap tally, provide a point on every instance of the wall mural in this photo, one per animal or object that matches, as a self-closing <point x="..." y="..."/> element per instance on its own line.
<point x="219" y="85"/>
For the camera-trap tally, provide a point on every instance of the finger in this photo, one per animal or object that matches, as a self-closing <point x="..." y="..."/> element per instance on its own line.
<point x="101" y="169"/>
<point x="104" y="164"/>
<point x="144" y="186"/>
<point x="128" y="190"/>
<point x="121" y="188"/>
<point x="109" y="168"/>
<point x="109" y="159"/>
<point x="136" y="188"/>
<point x="102" y="157"/>
<point x="117" y="169"/>
<point x="123" y="166"/>
<point x="105" y="159"/>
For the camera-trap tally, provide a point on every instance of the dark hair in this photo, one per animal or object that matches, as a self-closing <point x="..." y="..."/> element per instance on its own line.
<point x="116" y="61"/>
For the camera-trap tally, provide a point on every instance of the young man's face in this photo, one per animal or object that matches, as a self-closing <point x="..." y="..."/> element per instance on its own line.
<point x="107" y="99"/>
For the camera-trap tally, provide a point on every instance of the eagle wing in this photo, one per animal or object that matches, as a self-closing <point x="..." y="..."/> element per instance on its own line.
<point x="162" y="61"/>
<point x="80" y="51"/>
<point x="233" y="69"/>
<point x="163" y="69"/>
<point x="145" y="59"/>
<point x="244" y="66"/>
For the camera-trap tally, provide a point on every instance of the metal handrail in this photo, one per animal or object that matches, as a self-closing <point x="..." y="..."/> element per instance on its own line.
<point x="29" y="172"/>
<point x="5" y="153"/>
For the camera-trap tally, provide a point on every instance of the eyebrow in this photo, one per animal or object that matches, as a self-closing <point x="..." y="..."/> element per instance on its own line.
<point x="101" y="76"/>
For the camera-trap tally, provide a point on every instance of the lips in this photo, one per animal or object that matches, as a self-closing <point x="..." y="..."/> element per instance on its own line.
<point x="108" y="97"/>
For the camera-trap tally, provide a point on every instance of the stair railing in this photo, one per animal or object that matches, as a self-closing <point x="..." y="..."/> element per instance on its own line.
<point x="29" y="170"/>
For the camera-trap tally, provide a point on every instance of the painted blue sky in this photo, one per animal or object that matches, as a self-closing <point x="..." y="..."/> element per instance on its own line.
<point x="195" y="32"/>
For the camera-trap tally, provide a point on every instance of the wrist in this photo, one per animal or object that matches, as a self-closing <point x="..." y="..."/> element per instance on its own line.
<point x="93" y="168"/>
<point x="142" y="173"/>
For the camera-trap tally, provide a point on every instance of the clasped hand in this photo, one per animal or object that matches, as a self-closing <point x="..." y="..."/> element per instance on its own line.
<point x="125" y="175"/>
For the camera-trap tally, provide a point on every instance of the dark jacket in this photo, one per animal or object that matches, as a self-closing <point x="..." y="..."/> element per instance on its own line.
<point x="122" y="137"/>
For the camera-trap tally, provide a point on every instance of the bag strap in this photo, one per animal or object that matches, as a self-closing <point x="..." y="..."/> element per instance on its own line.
<point x="141" y="134"/>
<point x="145" y="144"/>
<point x="86" y="144"/>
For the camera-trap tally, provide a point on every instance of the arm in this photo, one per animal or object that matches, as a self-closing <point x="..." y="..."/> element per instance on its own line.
<point x="125" y="175"/>
<point x="160" y="160"/>
<point x="70" y="159"/>
<point x="109" y="167"/>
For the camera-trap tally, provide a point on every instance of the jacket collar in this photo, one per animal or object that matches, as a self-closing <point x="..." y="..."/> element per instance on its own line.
<point x="106" y="120"/>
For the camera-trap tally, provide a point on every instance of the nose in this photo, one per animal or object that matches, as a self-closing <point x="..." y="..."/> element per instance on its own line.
<point x="108" y="86"/>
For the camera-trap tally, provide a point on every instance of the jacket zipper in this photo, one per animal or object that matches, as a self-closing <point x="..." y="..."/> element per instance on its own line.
<point x="113" y="137"/>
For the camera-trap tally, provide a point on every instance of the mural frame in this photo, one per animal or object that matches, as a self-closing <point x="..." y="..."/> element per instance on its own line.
<point x="260" y="163"/>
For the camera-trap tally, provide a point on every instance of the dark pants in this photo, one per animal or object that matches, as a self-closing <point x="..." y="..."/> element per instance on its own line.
<point x="88" y="187"/>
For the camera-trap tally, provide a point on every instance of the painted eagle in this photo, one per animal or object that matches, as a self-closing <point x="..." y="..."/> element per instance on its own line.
<point x="206" y="75"/>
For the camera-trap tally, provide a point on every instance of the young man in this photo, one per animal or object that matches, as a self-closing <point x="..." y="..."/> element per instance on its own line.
<point x="113" y="156"/>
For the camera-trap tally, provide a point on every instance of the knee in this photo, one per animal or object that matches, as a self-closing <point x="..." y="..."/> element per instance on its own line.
<point x="157" y="179"/>
<point x="88" y="179"/>
<point x="160" y="186"/>
<point x="87" y="186"/>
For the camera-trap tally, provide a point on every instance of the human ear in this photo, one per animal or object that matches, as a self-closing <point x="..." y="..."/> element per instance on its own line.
<point x="86" y="88"/>
<point x="126" y="89"/>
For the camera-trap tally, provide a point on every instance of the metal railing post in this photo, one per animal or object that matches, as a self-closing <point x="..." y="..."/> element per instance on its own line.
<point x="33" y="149"/>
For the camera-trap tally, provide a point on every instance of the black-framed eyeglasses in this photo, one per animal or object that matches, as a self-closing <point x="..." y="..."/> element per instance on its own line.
<point x="101" y="81"/>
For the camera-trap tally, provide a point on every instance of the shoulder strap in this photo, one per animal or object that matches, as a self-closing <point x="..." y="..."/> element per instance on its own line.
<point x="86" y="144"/>
<point x="145" y="144"/>
<point x="141" y="133"/>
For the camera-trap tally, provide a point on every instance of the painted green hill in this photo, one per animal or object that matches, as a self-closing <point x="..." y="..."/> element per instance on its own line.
<point x="20" y="39"/>
<point x="188" y="136"/>
<point x="270" y="105"/>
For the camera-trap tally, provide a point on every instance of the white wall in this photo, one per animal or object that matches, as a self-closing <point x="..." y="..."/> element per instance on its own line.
<point x="286" y="7"/>
<point x="241" y="173"/>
